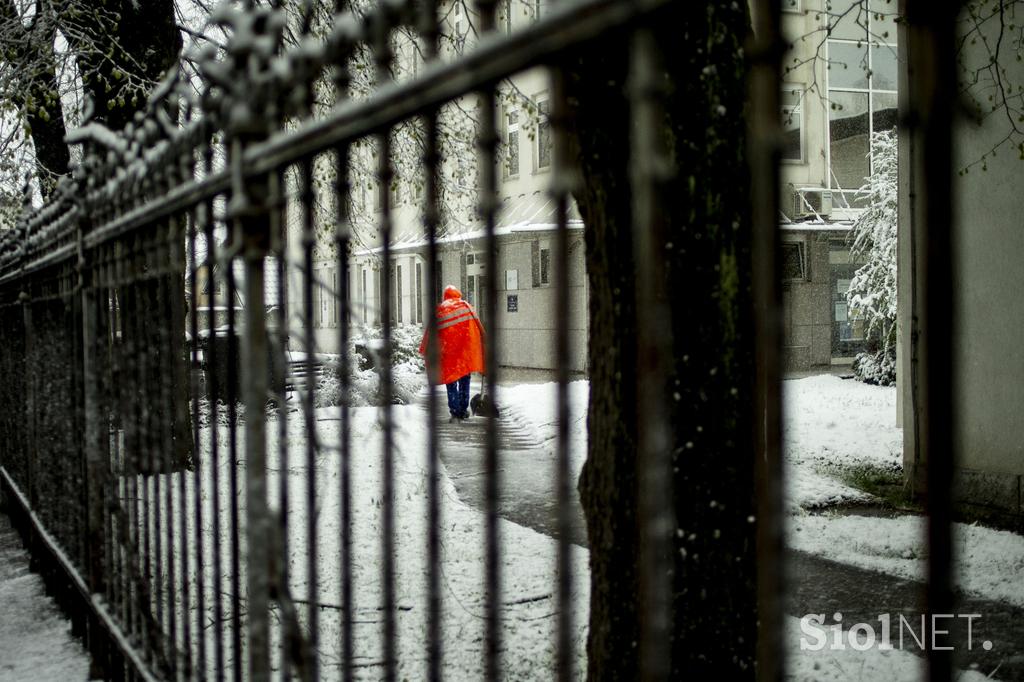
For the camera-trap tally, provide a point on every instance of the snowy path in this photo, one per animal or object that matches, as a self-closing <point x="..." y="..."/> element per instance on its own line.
<point x="526" y="470"/>
<point x="822" y="586"/>
<point x="35" y="638"/>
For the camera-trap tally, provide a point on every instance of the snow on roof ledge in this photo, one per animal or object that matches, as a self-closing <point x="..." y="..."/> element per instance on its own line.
<point x="533" y="212"/>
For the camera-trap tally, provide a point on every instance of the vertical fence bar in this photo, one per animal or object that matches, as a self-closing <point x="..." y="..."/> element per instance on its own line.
<point x="931" y="31"/>
<point x="96" y="474"/>
<point x="487" y="143"/>
<point x="199" y="462"/>
<point x="649" y="168"/>
<point x="165" y="427"/>
<point x="764" y="138"/>
<point x="562" y="185"/>
<point x="382" y="55"/>
<point x="210" y="359"/>
<point x="142" y="450"/>
<point x="252" y="232"/>
<point x="233" y="483"/>
<point x="154" y="451"/>
<point x="284" y="462"/>
<point x="308" y="199"/>
<point x="343" y="237"/>
<point x="430" y="32"/>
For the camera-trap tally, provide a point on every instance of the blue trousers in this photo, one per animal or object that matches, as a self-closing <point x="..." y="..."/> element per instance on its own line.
<point x="458" y="397"/>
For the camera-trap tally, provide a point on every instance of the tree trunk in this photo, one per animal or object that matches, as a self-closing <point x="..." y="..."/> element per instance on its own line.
<point x="145" y="42"/>
<point x="709" y="388"/>
<point x="36" y="92"/>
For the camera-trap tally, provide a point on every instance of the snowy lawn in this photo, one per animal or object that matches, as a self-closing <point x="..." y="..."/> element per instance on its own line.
<point x="832" y="424"/>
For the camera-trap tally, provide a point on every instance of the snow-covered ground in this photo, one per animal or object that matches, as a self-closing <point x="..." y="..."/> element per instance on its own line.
<point x="830" y="423"/>
<point x="35" y="639"/>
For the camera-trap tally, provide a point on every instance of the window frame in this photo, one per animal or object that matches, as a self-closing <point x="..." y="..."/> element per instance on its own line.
<point x="544" y="248"/>
<point x="398" y="294"/>
<point x="870" y="42"/>
<point x="508" y="171"/>
<point x="801" y="247"/>
<point x="801" y="90"/>
<point x="542" y="98"/>
<point x="505" y="15"/>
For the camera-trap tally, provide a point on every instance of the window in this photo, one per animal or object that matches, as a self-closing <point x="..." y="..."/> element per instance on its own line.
<point x="540" y="261"/>
<point x="326" y="297"/>
<point x="335" y="298"/>
<point x="377" y="315"/>
<point x="314" y="309"/>
<point x="398" y="293"/>
<point x="543" y="136"/>
<point x="862" y="73"/>
<point x="794" y="261"/>
<point x="419" y="293"/>
<point x="460" y="27"/>
<point x="505" y="14"/>
<point x="512" y="144"/>
<point x="792" y="123"/>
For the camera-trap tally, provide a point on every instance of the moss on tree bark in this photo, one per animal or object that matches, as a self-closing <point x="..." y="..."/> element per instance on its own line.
<point x="709" y="390"/>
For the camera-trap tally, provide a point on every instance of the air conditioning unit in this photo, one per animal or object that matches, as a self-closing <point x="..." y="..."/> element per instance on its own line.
<point x="811" y="202"/>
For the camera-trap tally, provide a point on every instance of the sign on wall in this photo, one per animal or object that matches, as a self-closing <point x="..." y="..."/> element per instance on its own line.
<point x="513" y="303"/>
<point x="511" y="280"/>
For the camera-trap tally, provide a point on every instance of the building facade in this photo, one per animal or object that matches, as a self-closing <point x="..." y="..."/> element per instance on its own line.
<point x="840" y="86"/>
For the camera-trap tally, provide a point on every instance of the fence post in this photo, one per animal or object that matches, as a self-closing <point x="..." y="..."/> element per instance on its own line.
<point x="248" y="210"/>
<point x="96" y="473"/>
<point x="94" y="448"/>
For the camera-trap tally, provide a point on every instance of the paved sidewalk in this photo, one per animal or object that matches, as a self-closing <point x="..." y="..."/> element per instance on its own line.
<point x="525" y="497"/>
<point x="35" y="638"/>
<point x="816" y="585"/>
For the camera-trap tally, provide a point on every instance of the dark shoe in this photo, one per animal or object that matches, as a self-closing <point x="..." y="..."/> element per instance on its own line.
<point x="464" y="415"/>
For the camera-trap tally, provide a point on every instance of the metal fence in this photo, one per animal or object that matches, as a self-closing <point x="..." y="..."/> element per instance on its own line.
<point x="160" y="493"/>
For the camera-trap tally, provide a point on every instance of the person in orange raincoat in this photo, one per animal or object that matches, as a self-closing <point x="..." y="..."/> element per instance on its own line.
<point x="460" y="334"/>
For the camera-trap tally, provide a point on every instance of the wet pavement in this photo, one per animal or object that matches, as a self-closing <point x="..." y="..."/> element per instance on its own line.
<point x="525" y="497"/>
<point x="816" y="585"/>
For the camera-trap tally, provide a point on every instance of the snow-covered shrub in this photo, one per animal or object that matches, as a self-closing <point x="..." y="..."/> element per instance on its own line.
<point x="876" y="368"/>
<point x="407" y="369"/>
<point x="872" y="291"/>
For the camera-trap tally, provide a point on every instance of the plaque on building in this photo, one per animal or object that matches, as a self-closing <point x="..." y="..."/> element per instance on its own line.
<point x="513" y="303"/>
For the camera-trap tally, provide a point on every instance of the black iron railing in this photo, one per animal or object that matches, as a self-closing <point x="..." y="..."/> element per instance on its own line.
<point x="148" y="430"/>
